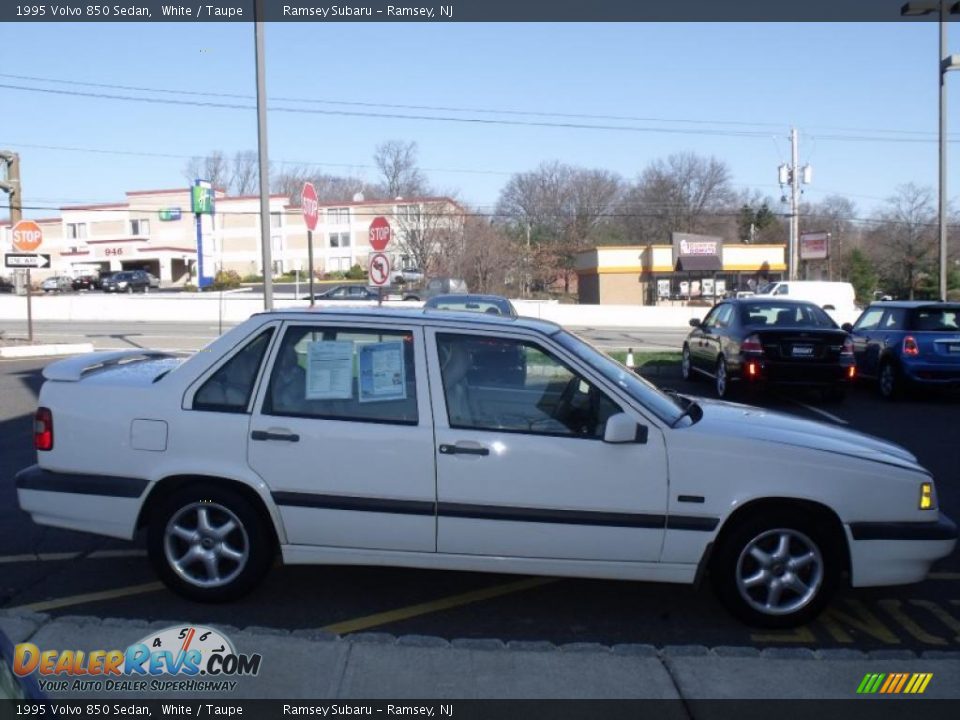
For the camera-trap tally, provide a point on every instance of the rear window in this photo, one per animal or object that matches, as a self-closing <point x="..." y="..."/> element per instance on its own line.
<point x="936" y="319"/>
<point x="784" y="315"/>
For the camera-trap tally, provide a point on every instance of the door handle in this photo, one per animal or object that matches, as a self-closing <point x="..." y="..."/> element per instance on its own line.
<point x="264" y="435"/>
<point x="462" y="450"/>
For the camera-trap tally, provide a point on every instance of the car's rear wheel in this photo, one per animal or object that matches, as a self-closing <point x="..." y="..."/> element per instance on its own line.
<point x="686" y="363"/>
<point x="722" y="379"/>
<point x="776" y="569"/>
<point x="889" y="381"/>
<point x="209" y="543"/>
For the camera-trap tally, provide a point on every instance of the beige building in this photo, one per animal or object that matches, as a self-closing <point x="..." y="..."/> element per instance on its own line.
<point x="155" y="230"/>
<point x="652" y="274"/>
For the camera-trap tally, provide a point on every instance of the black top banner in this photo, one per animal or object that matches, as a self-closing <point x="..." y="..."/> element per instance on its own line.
<point x="475" y="11"/>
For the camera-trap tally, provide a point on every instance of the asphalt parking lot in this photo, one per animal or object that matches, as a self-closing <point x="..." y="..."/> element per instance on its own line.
<point x="66" y="573"/>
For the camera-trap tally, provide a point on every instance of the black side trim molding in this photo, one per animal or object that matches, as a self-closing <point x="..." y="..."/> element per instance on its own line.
<point x="36" y="478"/>
<point x="942" y="529"/>
<point x="543" y="515"/>
<point x="494" y="512"/>
<point x="690" y="498"/>
<point x="361" y="504"/>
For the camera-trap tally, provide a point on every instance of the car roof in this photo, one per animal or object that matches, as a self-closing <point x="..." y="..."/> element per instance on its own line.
<point x="419" y="315"/>
<point x="909" y="304"/>
<point x="766" y="300"/>
<point x="466" y="297"/>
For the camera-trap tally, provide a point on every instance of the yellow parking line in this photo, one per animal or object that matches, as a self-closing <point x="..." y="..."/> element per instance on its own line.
<point x="369" y="621"/>
<point x="90" y="597"/>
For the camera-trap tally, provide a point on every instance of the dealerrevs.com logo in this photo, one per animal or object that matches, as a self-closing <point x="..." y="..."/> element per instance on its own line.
<point x="176" y="659"/>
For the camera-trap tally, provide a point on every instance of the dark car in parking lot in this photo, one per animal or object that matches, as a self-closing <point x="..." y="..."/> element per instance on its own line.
<point x="128" y="281"/>
<point x="490" y="304"/>
<point x="86" y="282"/>
<point x="905" y="344"/>
<point x="752" y="342"/>
<point x="347" y="292"/>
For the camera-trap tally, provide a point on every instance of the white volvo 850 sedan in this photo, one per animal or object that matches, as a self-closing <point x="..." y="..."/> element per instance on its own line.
<point x="465" y="442"/>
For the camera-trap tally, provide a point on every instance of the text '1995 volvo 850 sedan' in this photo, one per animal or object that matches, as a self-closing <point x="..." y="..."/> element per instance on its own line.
<point x="367" y="437"/>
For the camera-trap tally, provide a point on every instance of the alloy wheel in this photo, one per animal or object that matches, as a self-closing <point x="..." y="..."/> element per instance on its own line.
<point x="779" y="572"/>
<point x="206" y="544"/>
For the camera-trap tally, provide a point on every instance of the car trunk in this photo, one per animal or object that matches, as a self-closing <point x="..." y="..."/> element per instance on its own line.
<point x="937" y="334"/>
<point x="802" y="346"/>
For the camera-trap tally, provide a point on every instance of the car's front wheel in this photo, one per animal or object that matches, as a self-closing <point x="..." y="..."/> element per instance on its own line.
<point x="209" y="543"/>
<point x="776" y="570"/>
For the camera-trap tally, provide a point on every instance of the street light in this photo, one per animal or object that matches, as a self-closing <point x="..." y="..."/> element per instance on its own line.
<point x="945" y="63"/>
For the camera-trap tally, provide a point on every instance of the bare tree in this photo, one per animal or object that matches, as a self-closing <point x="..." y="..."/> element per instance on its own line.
<point x="215" y="168"/>
<point x="903" y="244"/>
<point x="431" y="235"/>
<point x="397" y="162"/>
<point x="245" y="173"/>
<point x="489" y="262"/>
<point x="683" y="193"/>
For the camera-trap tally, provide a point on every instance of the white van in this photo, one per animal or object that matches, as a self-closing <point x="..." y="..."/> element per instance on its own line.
<point x="837" y="298"/>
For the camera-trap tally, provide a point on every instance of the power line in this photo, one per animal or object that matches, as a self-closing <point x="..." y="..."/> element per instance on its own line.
<point x="394" y="116"/>
<point x="437" y="108"/>
<point x="445" y="108"/>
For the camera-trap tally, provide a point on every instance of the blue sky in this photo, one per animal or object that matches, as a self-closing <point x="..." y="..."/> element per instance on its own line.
<point x="825" y="79"/>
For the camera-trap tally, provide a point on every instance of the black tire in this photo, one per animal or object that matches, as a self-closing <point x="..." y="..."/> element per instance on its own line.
<point x="721" y="379"/>
<point x="686" y="364"/>
<point x="732" y="560"/>
<point x="129" y="289"/>
<point x="251" y="534"/>
<point x="890" y="382"/>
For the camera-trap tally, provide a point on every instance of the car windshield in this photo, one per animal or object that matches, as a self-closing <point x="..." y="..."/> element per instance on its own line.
<point x="781" y="315"/>
<point x="644" y="392"/>
<point x="937" y="319"/>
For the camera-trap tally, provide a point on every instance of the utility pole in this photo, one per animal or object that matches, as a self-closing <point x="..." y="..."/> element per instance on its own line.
<point x="794" y="174"/>
<point x="12" y="186"/>
<point x="794" y="205"/>
<point x="265" y="248"/>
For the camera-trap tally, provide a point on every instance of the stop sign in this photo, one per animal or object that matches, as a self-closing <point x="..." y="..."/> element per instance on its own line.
<point x="379" y="233"/>
<point x="310" y="206"/>
<point x="27" y="236"/>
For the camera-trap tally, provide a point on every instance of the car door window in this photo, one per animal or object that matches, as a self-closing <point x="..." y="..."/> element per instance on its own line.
<point x="870" y="320"/>
<point x="711" y="319"/>
<point x="500" y="384"/>
<point x="230" y="387"/>
<point x="344" y="374"/>
<point x="895" y="319"/>
<point x="724" y="316"/>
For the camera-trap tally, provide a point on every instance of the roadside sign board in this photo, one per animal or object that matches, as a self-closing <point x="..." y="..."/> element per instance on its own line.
<point x="814" y="245"/>
<point x="31" y="261"/>
<point x="379" y="269"/>
<point x="202" y="198"/>
<point x="309" y="206"/>
<point x="27" y="236"/>
<point x="379" y="234"/>
<point x="169" y="214"/>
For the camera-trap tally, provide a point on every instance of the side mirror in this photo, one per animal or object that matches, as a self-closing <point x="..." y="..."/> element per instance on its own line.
<point x="696" y="322"/>
<point x="847" y="327"/>
<point x="621" y="428"/>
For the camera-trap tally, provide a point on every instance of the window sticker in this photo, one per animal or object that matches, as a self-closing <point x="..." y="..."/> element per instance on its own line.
<point x="330" y="370"/>
<point x="382" y="372"/>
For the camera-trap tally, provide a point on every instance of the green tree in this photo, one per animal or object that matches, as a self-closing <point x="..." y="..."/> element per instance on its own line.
<point x="861" y="275"/>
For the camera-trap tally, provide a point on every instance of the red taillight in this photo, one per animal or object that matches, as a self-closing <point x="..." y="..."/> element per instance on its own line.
<point x="852" y="372"/>
<point x="847" y="350"/>
<point x="910" y="346"/>
<point x="753" y="369"/>
<point x="43" y="429"/>
<point x="751" y="344"/>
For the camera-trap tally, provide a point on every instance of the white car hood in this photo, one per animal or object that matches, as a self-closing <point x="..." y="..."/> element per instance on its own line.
<point x="744" y="421"/>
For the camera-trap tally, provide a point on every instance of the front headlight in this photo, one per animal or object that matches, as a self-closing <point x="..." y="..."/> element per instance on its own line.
<point x="928" y="498"/>
<point x="122" y="283"/>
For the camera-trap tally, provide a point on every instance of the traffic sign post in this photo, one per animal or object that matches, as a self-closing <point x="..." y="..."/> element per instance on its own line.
<point x="27" y="237"/>
<point x="26" y="260"/>
<point x="311" y="212"/>
<point x="379" y="273"/>
<point x="379" y="236"/>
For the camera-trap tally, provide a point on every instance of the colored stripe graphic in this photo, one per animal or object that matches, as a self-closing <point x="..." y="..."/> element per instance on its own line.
<point x="894" y="683"/>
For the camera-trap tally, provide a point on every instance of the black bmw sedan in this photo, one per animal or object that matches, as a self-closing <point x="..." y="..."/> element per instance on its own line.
<point x="749" y="343"/>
